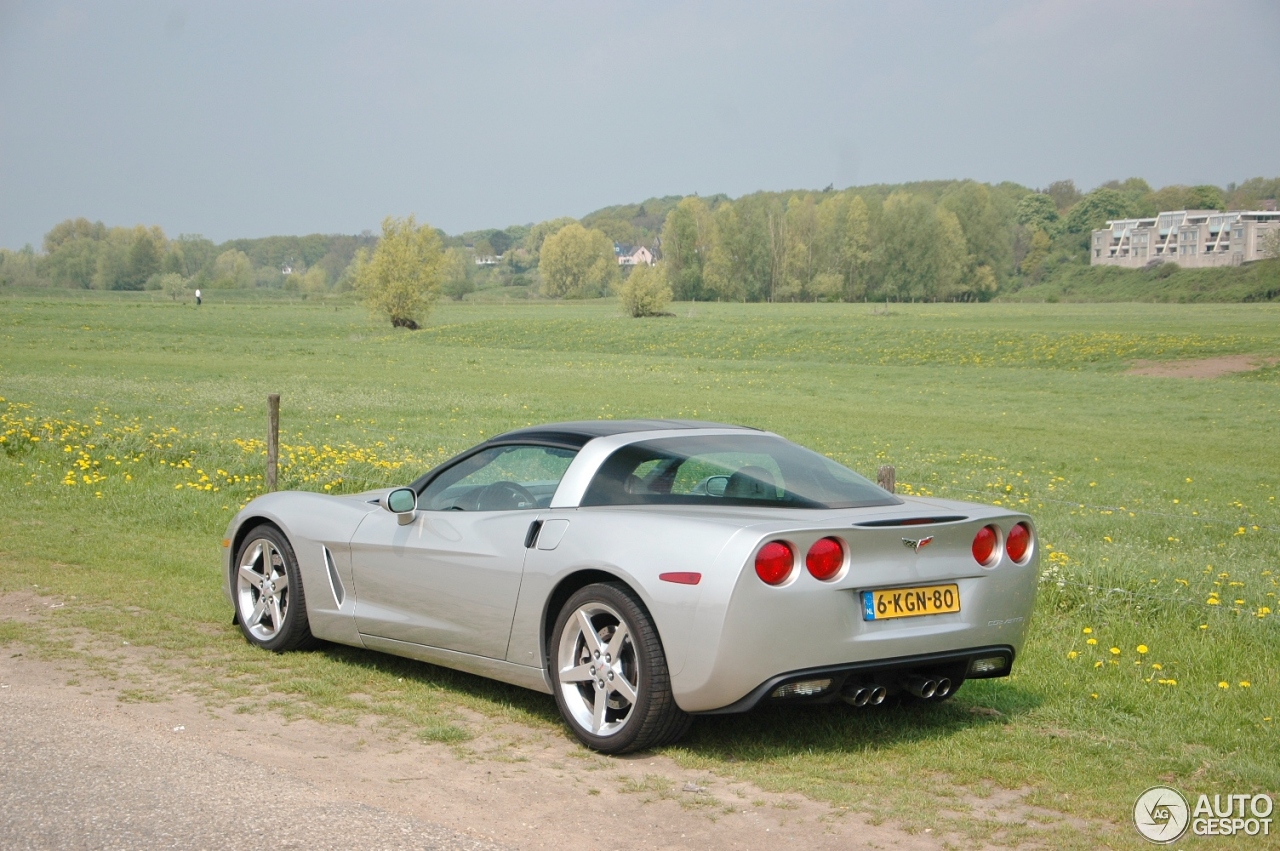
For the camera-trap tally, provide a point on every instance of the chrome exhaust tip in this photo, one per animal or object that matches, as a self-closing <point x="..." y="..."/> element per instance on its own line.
<point x="858" y="697"/>
<point x="878" y="694"/>
<point x="944" y="688"/>
<point x="921" y="687"/>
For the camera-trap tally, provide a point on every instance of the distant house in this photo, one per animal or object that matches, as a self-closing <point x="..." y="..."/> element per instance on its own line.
<point x="286" y="269"/>
<point x="632" y="255"/>
<point x="487" y="260"/>
<point x="1192" y="238"/>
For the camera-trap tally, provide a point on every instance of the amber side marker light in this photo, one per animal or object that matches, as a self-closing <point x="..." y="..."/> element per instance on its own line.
<point x="226" y="542"/>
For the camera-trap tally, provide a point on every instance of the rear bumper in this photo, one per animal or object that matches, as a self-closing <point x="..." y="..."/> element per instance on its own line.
<point x="956" y="664"/>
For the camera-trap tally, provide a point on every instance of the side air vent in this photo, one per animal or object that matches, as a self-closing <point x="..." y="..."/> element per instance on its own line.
<point x="335" y="582"/>
<point x="911" y="521"/>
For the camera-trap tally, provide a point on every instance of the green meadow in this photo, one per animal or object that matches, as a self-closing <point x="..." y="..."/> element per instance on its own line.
<point x="132" y="429"/>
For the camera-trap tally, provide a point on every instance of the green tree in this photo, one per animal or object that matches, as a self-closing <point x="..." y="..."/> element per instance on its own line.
<point x="74" y="262"/>
<point x="1094" y="211"/>
<point x="456" y="273"/>
<point x="146" y="250"/>
<point x="986" y="219"/>
<point x="844" y="241"/>
<point x="739" y="262"/>
<point x="686" y="237"/>
<point x="577" y="263"/>
<point x="113" y="259"/>
<point x="645" y="292"/>
<point x="20" y="268"/>
<point x="921" y="254"/>
<point x="1032" y="265"/>
<point x="538" y="233"/>
<point x="190" y="255"/>
<point x="724" y="274"/>
<point x="1064" y="194"/>
<point x="173" y="285"/>
<point x="314" y="281"/>
<point x="1206" y="198"/>
<point x="1037" y="210"/>
<point x="800" y="236"/>
<point x="401" y="278"/>
<point x="232" y="270"/>
<point x="500" y="241"/>
<point x="71" y="250"/>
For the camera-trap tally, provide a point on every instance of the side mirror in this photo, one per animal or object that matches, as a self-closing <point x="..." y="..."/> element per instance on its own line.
<point x="717" y="485"/>
<point x="403" y="503"/>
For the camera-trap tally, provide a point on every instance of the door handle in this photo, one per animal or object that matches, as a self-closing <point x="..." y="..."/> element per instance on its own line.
<point x="531" y="537"/>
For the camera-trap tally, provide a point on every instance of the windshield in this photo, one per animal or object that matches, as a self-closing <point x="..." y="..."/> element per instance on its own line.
<point x="746" y="470"/>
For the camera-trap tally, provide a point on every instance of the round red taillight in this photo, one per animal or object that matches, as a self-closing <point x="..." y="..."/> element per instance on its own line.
<point x="825" y="558"/>
<point x="1018" y="542"/>
<point x="984" y="545"/>
<point x="774" y="562"/>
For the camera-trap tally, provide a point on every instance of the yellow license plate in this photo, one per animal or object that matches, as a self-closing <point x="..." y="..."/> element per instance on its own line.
<point x="889" y="603"/>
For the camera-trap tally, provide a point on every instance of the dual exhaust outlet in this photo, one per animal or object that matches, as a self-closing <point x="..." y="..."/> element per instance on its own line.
<point x="865" y="696"/>
<point x="925" y="688"/>
<point x="928" y="688"/>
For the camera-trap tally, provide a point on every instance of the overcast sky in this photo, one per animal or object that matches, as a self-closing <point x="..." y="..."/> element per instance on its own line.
<point x="250" y="119"/>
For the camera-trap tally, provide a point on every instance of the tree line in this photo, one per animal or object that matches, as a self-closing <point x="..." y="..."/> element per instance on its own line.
<point x="937" y="240"/>
<point x="80" y="254"/>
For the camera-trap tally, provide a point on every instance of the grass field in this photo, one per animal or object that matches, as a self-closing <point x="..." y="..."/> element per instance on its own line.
<point x="132" y="429"/>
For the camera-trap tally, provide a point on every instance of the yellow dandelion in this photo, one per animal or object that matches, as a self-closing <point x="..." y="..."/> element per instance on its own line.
<point x="1245" y="684"/>
<point x="1094" y="695"/>
<point x="1156" y="666"/>
<point x="1092" y="641"/>
<point x="1097" y="664"/>
<point x="1087" y="630"/>
<point x="1204" y="626"/>
<point x="1142" y="648"/>
<point x="1073" y="654"/>
<point x="1115" y="651"/>
<point x="1224" y="684"/>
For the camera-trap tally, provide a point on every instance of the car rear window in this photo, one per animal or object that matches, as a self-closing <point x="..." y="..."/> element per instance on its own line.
<point x="745" y="470"/>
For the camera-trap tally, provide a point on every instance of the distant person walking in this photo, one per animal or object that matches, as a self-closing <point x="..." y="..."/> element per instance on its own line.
<point x="198" y="300"/>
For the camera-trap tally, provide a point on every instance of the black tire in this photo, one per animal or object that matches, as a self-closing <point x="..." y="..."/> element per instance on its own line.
<point x="594" y="691"/>
<point x="270" y="616"/>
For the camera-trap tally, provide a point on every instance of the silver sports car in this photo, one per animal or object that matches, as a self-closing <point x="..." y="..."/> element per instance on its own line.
<point x="646" y="571"/>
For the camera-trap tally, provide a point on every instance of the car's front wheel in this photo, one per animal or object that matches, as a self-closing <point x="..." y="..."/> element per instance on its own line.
<point x="610" y="673"/>
<point x="270" y="606"/>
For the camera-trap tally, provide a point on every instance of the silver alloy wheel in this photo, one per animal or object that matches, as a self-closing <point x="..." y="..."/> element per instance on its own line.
<point x="262" y="589"/>
<point x="598" y="674"/>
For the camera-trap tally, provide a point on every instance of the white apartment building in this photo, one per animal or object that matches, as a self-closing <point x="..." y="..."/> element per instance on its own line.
<point x="1190" y="238"/>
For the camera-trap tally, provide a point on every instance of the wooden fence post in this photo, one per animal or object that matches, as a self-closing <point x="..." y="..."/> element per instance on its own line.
<point x="887" y="477"/>
<point x="273" y="438"/>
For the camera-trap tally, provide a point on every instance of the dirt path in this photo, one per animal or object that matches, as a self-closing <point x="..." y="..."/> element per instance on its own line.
<point x="1201" y="367"/>
<point x="532" y="794"/>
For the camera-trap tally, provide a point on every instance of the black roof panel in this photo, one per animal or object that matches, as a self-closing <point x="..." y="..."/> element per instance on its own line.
<point x="579" y="433"/>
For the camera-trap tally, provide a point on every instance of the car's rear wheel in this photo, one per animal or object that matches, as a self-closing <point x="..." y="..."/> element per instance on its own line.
<point x="270" y="605"/>
<point x="610" y="673"/>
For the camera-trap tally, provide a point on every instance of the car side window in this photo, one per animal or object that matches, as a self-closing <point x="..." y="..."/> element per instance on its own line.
<point x="500" y="478"/>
